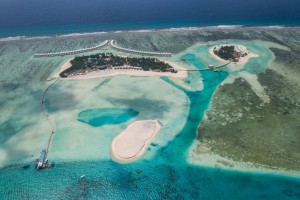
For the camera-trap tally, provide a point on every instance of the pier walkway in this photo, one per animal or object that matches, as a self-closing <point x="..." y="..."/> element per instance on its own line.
<point x="46" y="115"/>
<point x="213" y="68"/>
<point x="106" y="43"/>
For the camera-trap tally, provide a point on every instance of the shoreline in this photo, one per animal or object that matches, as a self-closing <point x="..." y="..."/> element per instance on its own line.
<point x="215" y="161"/>
<point x="112" y="72"/>
<point x="12" y="37"/>
<point x="130" y="145"/>
<point x="63" y="67"/>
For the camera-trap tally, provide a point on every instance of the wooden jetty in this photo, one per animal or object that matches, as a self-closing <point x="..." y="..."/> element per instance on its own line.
<point x="210" y="67"/>
<point x="41" y="163"/>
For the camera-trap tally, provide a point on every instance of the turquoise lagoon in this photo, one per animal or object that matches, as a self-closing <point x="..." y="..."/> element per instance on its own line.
<point x="100" y="117"/>
<point x="164" y="172"/>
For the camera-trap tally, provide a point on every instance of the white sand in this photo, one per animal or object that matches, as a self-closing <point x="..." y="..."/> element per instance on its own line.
<point x="115" y="72"/>
<point x="242" y="60"/>
<point x="180" y="83"/>
<point x="132" y="143"/>
<point x="65" y="66"/>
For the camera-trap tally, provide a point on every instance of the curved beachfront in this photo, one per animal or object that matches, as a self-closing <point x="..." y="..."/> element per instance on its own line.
<point x="132" y="143"/>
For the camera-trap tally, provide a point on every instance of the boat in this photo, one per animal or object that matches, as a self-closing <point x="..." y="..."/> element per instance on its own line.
<point x="42" y="160"/>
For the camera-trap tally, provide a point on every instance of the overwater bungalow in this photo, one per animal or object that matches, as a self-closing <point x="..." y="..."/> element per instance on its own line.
<point x="63" y="53"/>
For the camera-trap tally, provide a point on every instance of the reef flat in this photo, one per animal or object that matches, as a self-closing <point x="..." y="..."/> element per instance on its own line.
<point x="240" y="127"/>
<point x="23" y="75"/>
<point x="264" y="92"/>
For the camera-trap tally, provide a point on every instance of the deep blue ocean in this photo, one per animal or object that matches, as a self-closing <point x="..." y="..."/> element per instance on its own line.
<point x="39" y="17"/>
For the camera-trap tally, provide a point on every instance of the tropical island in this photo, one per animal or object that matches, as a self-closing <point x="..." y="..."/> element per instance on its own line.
<point x="83" y="64"/>
<point x="229" y="52"/>
<point x="234" y="53"/>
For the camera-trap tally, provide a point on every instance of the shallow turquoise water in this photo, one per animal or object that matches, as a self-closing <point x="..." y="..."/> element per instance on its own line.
<point x="99" y="117"/>
<point x="143" y="180"/>
<point x="199" y="103"/>
<point x="166" y="176"/>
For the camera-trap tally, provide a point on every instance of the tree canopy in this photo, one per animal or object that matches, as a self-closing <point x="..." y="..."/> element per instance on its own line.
<point x="111" y="60"/>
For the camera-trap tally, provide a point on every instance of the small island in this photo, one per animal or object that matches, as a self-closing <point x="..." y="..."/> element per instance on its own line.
<point x="85" y="64"/>
<point x="133" y="142"/>
<point x="234" y="53"/>
<point x="230" y="52"/>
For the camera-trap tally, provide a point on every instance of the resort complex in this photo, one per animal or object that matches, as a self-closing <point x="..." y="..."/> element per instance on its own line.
<point x="85" y="64"/>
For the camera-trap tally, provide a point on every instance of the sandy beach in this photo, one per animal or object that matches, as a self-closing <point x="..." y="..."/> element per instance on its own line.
<point x="115" y="72"/>
<point x="64" y="66"/>
<point x="132" y="143"/>
<point x="242" y="60"/>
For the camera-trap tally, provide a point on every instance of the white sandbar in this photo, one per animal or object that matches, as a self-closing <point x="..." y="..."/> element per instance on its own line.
<point x="132" y="143"/>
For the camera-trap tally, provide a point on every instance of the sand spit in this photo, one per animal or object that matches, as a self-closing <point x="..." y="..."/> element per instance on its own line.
<point x="242" y="61"/>
<point x="180" y="82"/>
<point x="64" y="66"/>
<point x="132" y="143"/>
<point x="114" y="72"/>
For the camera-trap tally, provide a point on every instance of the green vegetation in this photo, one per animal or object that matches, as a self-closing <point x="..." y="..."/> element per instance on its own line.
<point x="227" y="53"/>
<point x="105" y="60"/>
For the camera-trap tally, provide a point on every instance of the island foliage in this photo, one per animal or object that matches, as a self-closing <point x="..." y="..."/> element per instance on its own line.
<point x="108" y="60"/>
<point x="227" y="52"/>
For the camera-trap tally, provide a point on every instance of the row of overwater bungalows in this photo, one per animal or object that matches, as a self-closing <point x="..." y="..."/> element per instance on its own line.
<point x="64" y="53"/>
<point x="111" y="43"/>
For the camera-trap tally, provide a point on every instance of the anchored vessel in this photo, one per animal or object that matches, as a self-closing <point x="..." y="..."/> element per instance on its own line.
<point x="42" y="161"/>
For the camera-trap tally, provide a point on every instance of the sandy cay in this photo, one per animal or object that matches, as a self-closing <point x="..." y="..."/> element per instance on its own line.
<point x="132" y="143"/>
